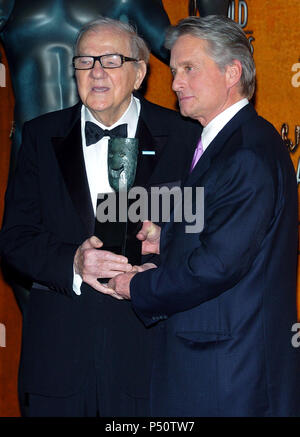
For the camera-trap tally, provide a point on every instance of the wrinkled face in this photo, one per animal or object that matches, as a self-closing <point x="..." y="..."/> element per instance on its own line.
<point x="202" y="89"/>
<point x="107" y="92"/>
<point x="122" y="160"/>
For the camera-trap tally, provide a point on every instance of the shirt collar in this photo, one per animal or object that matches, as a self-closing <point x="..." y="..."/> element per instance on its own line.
<point x="216" y="125"/>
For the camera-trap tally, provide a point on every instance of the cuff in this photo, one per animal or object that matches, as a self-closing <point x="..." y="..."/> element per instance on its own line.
<point x="77" y="281"/>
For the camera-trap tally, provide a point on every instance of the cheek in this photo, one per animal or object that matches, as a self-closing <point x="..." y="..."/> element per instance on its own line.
<point x="218" y="81"/>
<point x="81" y="84"/>
<point x="127" y="82"/>
<point x="210" y="87"/>
<point x="122" y="88"/>
<point x="198" y="84"/>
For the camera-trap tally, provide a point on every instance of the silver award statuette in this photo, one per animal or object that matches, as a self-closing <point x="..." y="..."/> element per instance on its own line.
<point x="122" y="160"/>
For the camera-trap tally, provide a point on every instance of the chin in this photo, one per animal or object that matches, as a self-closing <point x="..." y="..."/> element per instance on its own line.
<point x="186" y="113"/>
<point x="97" y="107"/>
<point x="185" y="110"/>
<point x="97" y="104"/>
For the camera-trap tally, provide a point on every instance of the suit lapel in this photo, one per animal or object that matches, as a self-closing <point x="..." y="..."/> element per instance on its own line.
<point x="71" y="162"/>
<point x="219" y="143"/>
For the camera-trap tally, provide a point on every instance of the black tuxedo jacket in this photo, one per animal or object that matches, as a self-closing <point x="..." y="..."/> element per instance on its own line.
<point x="48" y="215"/>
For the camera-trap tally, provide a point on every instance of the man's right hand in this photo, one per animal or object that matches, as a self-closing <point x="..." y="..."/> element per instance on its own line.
<point x="91" y="263"/>
<point x="150" y="237"/>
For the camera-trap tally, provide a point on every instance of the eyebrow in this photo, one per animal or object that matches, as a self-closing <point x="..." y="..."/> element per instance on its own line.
<point x="181" y="64"/>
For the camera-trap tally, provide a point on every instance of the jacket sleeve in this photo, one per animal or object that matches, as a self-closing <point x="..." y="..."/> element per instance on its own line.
<point x="25" y="243"/>
<point x="239" y="210"/>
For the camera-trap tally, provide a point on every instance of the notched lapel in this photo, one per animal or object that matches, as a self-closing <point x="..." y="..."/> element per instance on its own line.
<point x="70" y="158"/>
<point x="220" y="142"/>
<point x="200" y="168"/>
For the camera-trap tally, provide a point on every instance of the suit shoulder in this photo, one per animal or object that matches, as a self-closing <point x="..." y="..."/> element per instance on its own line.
<point x="261" y="138"/>
<point x="54" y="120"/>
<point x="260" y="128"/>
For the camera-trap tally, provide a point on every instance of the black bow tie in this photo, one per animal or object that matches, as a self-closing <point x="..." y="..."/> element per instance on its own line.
<point x="94" y="133"/>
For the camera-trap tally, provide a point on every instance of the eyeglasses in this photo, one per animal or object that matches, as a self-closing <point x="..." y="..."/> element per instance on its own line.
<point x="106" y="61"/>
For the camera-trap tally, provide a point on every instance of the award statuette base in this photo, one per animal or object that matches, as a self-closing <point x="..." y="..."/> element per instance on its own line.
<point x="119" y="237"/>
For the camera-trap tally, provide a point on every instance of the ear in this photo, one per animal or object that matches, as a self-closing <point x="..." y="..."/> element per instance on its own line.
<point x="233" y="73"/>
<point x="140" y="74"/>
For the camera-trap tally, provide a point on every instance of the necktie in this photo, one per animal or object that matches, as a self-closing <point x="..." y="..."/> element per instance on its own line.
<point x="94" y="133"/>
<point x="197" y="154"/>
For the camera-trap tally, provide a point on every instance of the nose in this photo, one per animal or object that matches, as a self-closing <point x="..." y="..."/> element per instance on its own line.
<point x="98" y="71"/>
<point x="178" y="82"/>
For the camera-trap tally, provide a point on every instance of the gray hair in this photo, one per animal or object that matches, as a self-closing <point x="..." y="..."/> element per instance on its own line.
<point x="139" y="49"/>
<point x="226" y="42"/>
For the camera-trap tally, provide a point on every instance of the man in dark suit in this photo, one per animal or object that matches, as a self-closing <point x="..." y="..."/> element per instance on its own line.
<point x="84" y="353"/>
<point x="225" y="296"/>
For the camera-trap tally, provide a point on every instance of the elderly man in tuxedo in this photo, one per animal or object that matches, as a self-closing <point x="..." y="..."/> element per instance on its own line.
<point x="85" y="353"/>
<point x="225" y="295"/>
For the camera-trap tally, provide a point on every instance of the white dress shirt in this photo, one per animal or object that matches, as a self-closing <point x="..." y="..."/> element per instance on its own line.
<point x="210" y="131"/>
<point x="95" y="158"/>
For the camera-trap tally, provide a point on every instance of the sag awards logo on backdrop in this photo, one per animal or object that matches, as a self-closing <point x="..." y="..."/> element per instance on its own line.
<point x="292" y="145"/>
<point x="238" y="11"/>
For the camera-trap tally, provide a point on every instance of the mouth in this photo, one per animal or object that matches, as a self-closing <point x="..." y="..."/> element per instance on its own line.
<point x="100" y="89"/>
<point x="116" y="172"/>
<point x="184" y="98"/>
